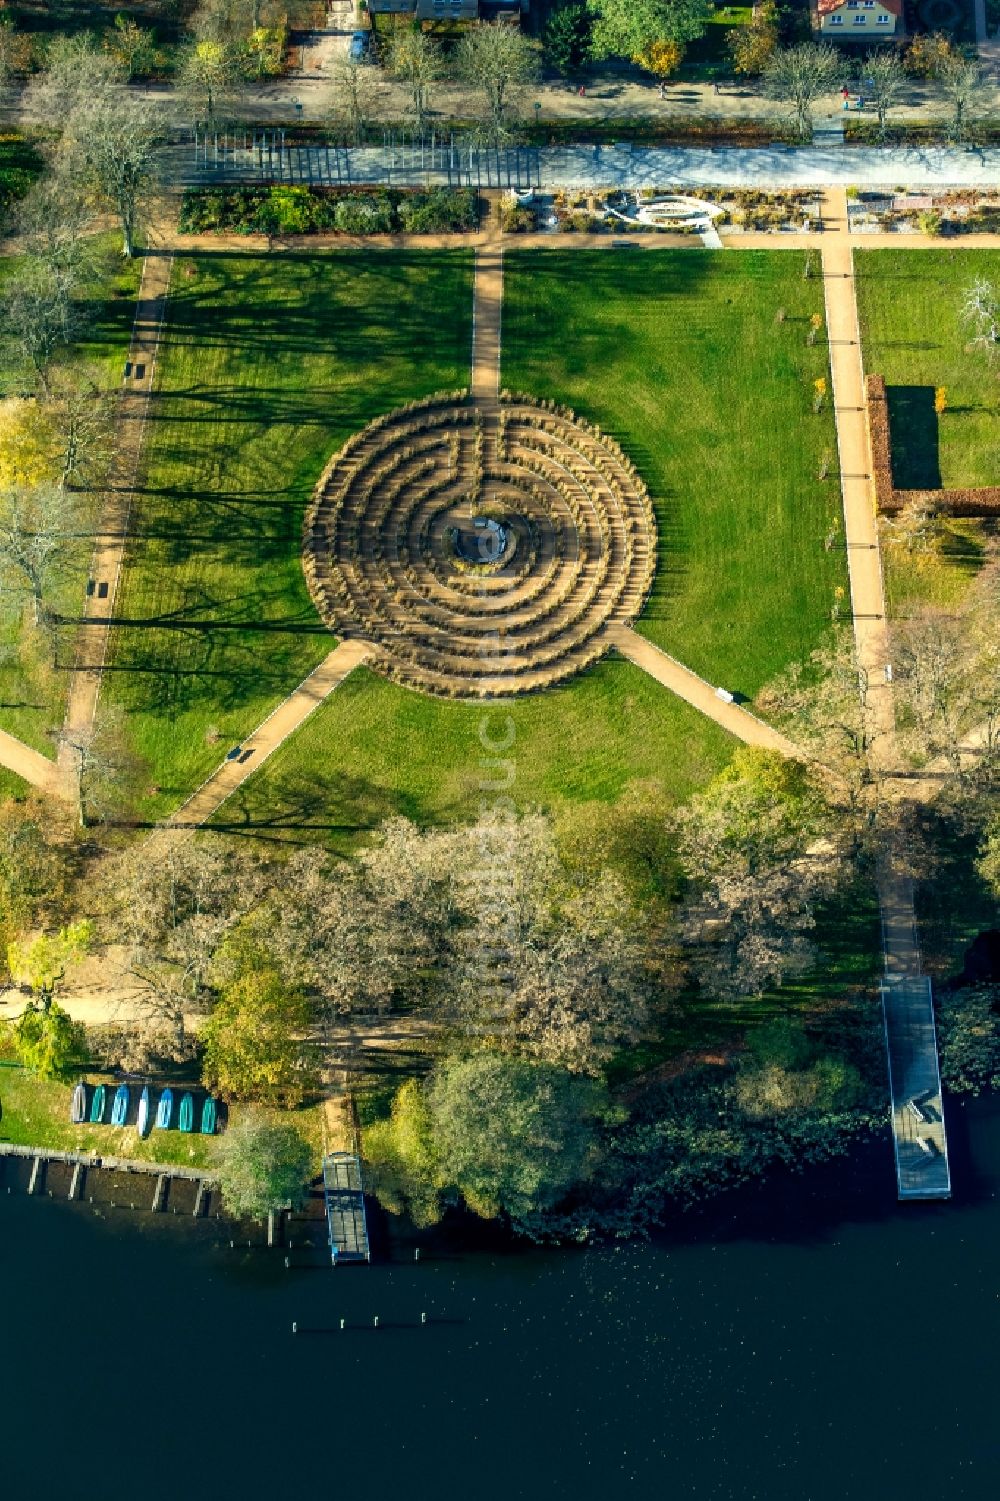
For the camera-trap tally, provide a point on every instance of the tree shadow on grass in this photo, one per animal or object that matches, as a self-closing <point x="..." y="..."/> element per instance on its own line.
<point x="296" y="807"/>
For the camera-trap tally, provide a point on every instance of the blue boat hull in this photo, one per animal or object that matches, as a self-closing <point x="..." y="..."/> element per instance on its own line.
<point x="143" y="1120"/>
<point x="119" y="1110"/>
<point x="165" y="1110"/>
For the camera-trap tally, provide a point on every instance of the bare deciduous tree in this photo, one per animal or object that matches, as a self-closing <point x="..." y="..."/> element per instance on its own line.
<point x="41" y="314"/>
<point x="41" y="530"/>
<point x="799" y="76"/>
<point x="497" y="59"/>
<point x="113" y="137"/>
<point x="415" y="57"/>
<point x="82" y="414"/>
<point x="962" y="82"/>
<point x="108" y="770"/>
<point x="981" y="315"/>
<point x="885" y="81"/>
<point x="355" y="90"/>
<point x="168" y="920"/>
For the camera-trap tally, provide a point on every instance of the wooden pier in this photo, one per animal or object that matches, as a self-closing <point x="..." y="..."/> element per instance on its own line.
<point x="918" y="1132"/>
<point x="344" y="1197"/>
<point x="81" y="1164"/>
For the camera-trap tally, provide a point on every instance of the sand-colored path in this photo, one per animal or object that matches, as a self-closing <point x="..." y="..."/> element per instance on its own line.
<point x="265" y="740"/>
<point x="860" y="526"/>
<point x="699" y="694"/>
<point x="112" y="532"/>
<point x="31" y="765"/>
<point x="487" y="305"/>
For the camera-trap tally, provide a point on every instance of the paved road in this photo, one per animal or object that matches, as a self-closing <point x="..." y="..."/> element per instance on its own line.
<point x="653" y="167"/>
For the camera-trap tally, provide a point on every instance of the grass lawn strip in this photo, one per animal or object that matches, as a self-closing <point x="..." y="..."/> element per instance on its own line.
<point x="374" y="750"/>
<point x="909" y="306"/>
<point x="267" y="365"/>
<point x="32" y="692"/>
<point x="36" y="1113"/>
<point x="698" y="363"/>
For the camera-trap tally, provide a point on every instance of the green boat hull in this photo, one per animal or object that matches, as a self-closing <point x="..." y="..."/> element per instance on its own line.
<point x="97" y="1105"/>
<point x="209" y="1115"/>
<point x="186" y="1119"/>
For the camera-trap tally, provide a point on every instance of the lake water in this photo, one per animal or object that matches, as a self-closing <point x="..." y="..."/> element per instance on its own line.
<point x="807" y="1338"/>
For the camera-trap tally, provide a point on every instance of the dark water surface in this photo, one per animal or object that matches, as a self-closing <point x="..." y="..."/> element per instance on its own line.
<point x="805" y="1339"/>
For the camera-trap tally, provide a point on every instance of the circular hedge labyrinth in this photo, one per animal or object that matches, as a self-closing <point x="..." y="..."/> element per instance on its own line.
<point x="481" y="552"/>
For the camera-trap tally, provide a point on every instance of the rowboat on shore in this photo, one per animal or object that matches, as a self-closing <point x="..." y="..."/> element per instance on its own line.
<point x="186" y="1120"/>
<point x="143" y="1119"/>
<point x="165" y="1110"/>
<point x="78" y="1104"/>
<point x="119" y="1110"/>
<point x="97" y="1105"/>
<point x="209" y="1115"/>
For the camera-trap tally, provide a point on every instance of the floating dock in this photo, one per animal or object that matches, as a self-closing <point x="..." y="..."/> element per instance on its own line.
<point x="918" y="1132"/>
<point x="344" y="1197"/>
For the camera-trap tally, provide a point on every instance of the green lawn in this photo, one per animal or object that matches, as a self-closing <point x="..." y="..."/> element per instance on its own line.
<point x="909" y="305"/>
<point x="32" y="689"/>
<point x="679" y="354"/>
<point x="267" y="364"/>
<point x="36" y="1113"/>
<point x="374" y="750"/>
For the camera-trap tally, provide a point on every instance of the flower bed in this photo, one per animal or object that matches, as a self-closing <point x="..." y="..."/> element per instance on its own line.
<point x="280" y="210"/>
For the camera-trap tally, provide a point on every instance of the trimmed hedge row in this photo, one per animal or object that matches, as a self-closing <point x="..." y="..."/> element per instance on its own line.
<point x="890" y="501"/>
<point x="286" y="210"/>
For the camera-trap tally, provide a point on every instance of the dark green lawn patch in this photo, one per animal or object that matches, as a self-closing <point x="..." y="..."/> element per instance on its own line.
<point x="20" y="164"/>
<point x="849" y="958"/>
<point x="374" y="750"/>
<point x="267" y="365"/>
<point x="282" y="210"/>
<point x="680" y="356"/>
